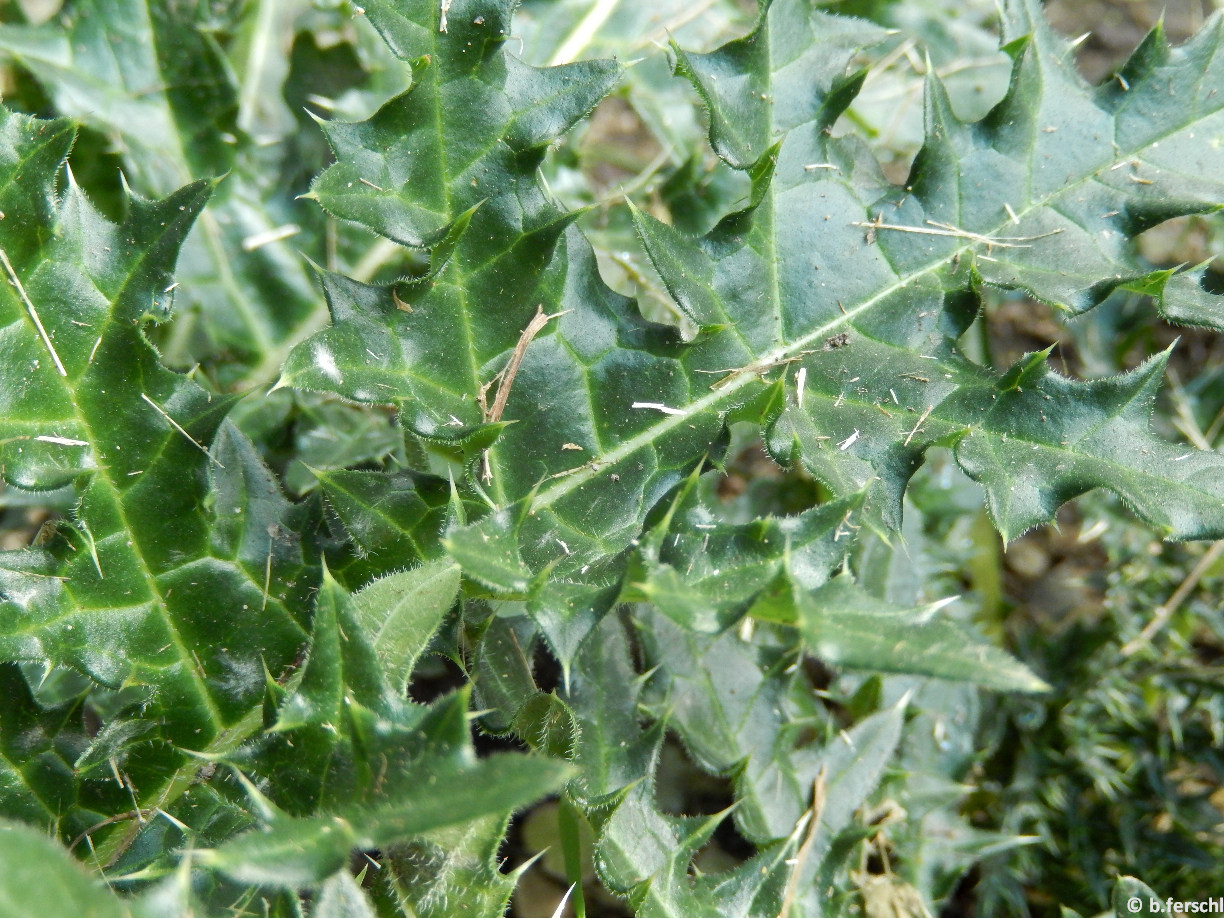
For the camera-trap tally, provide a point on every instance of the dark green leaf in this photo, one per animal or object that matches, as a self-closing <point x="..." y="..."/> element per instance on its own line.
<point x="141" y="587"/>
<point x="37" y="752"/>
<point x="293" y="851"/>
<point x="393" y="520"/>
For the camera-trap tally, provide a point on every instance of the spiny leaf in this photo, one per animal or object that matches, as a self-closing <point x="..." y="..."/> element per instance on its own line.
<point x="141" y="572"/>
<point x="1065" y="438"/>
<point x="470" y="132"/>
<point x="150" y="76"/>
<point x="295" y="851"/>
<point x="547" y="725"/>
<point x="455" y="170"/>
<point x="788" y="71"/>
<point x="179" y="538"/>
<point x="706" y="574"/>
<point x="614" y="752"/>
<point x="857" y="314"/>
<point x="646" y="854"/>
<point x="451" y="871"/>
<point x="501" y="670"/>
<point x="643" y="850"/>
<point x="37" y="752"/>
<point x="392" y="520"/>
<point x="873" y="283"/>
<point x="341" y="670"/>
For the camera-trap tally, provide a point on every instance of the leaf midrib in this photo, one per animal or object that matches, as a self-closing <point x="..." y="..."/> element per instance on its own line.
<point x="669" y="422"/>
<point x="114" y="492"/>
<point x="454" y="267"/>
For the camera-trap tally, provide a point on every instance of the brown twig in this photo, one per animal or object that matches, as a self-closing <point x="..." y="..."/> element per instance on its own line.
<point x="757" y="366"/>
<point x="505" y="379"/>
<point x="111" y="820"/>
<point x="809" y="839"/>
<point x="947" y="229"/>
<point x="923" y="417"/>
<point x="1165" y="612"/>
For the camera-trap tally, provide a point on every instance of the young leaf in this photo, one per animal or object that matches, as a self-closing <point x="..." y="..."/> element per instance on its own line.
<point x="402" y="611"/>
<point x="356" y="766"/>
<point x="342" y="668"/>
<point x="342" y="897"/>
<point x="451" y="871"/>
<point x="391" y="520"/>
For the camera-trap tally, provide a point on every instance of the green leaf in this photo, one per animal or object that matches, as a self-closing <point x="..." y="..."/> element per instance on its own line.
<point x="392" y="520"/>
<point x="401" y="612"/>
<point x="467" y="100"/>
<point x="456" y="171"/>
<point x="556" y="31"/>
<point x="178" y="538"/>
<point x="342" y="668"/>
<point x="650" y="852"/>
<point x="706" y="574"/>
<point x="843" y="625"/>
<point x="32" y="862"/>
<point x="152" y="78"/>
<point x="502" y="678"/>
<point x="870" y="312"/>
<point x="855" y="316"/>
<point x="1065" y="438"/>
<point x="733" y="704"/>
<point x="342" y="897"/>
<point x="547" y="725"/>
<point x="294" y="851"/>
<point x="37" y="749"/>
<point x="141" y="586"/>
<point x="788" y="71"/>
<point x="614" y="751"/>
